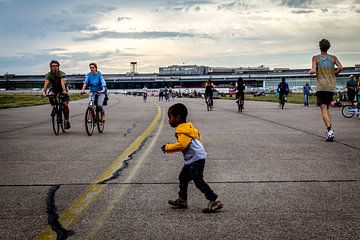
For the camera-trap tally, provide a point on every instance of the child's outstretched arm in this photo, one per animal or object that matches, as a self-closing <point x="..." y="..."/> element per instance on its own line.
<point x="181" y="144"/>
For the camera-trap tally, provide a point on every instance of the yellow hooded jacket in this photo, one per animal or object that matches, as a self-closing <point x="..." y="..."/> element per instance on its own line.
<point x="189" y="142"/>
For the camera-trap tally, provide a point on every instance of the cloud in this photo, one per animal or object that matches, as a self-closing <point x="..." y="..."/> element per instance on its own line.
<point x="324" y="10"/>
<point x="302" y="11"/>
<point x="74" y="27"/>
<point x="185" y="5"/>
<point x="93" y="9"/>
<point x="119" y="19"/>
<point x="295" y="3"/>
<point x="138" y="35"/>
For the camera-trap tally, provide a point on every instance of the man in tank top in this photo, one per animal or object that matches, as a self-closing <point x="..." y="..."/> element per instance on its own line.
<point x="323" y="65"/>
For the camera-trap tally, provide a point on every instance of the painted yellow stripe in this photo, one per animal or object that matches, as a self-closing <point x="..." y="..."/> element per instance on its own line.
<point x="72" y="214"/>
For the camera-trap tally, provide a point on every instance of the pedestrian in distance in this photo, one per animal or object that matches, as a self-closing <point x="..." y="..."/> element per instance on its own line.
<point x="306" y="91"/>
<point x="189" y="142"/>
<point x="323" y="65"/>
<point x="351" y="86"/>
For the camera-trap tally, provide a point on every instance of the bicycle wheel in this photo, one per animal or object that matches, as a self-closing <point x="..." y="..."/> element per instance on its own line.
<point x="348" y="111"/>
<point x="100" y="125"/>
<point x="54" y="120"/>
<point x="89" y="121"/>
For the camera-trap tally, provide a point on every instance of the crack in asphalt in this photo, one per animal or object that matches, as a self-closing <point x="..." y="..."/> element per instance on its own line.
<point x="128" y="131"/>
<point x="53" y="217"/>
<point x="125" y="163"/>
<point x="214" y="182"/>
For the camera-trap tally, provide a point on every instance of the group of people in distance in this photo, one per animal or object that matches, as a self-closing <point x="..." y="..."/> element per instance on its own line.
<point x="189" y="140"/>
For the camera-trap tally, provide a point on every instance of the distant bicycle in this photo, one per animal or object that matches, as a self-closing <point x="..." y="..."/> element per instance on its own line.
<point x="144" y="97"/>
<point x="282" y="101"/>
<point x="208" y="102"/>
<point x="93" y="117"/>
<point x="350" y="110"/>
<point x="240" y="103"/>
<point x="57" y="114"/>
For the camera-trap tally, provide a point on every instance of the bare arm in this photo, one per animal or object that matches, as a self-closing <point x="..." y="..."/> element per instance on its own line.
<point x="63" y="85"/>
<point x="313" y="65"/>
<point x="339" y="65"/>
<point x="83" y="88"/>
<point x="46" y="85"/>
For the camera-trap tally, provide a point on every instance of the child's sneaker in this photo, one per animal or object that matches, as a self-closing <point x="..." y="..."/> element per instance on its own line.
<point x="213" y="206"/>
<point x="179" y="203"/>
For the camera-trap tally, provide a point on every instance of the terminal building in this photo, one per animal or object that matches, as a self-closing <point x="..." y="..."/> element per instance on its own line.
<point x="186" y="76"/>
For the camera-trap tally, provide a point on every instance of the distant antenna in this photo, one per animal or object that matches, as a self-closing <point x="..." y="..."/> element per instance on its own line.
<point x="133" y="67"/>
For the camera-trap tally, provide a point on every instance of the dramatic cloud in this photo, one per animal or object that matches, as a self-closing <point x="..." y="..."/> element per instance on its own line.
<point x="233" y="33"/>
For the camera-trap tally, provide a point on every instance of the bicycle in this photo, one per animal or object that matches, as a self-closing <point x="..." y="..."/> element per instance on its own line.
<point x="208" y="102"/>
<point x="349" y="110"/>
<point x="57" y="114"/>
<point x="240" y="103"/>
<point x="144" y="96"/>
<point x="93" y="118"/>
<point x="282" y="101"/>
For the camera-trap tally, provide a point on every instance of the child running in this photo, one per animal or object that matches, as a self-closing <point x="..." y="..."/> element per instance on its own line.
<point x="189" y="142"/>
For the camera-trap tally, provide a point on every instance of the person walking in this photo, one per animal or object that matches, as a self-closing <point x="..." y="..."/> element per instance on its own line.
<point x="306" y="90"/>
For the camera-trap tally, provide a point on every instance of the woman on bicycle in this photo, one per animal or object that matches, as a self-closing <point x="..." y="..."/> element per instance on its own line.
<point x="240" y="87"/>
<point x="96" y="82"/>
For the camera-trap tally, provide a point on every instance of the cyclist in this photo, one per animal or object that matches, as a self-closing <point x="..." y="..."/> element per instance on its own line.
<point x="96" y="82"/>
<point x="145" y="92"/>
<point x="209" y="89"/>
<point x="283" y="90"/>
<point x="240" y="87"/>
<point x="58" y="86"/>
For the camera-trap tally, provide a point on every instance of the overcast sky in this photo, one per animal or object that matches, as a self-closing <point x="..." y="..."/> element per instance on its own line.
<point x="243" y="33"/>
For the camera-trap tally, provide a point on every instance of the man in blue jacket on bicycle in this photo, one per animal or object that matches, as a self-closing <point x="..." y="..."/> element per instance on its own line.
<point x="283" y="89"/>
<point x="96" y="82"/>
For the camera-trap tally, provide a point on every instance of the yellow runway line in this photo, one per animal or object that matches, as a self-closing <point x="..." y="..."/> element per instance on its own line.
<point x="72" y="214"/>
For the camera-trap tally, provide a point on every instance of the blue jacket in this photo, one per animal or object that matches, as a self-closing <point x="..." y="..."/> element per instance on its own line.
<point x="283" y="89"/>
<point x="307" y="89"/>
<point x="95" y="82"/>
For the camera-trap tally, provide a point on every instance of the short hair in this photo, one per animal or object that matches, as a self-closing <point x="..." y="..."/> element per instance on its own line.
<point x="324" y="45"/>
<point x="54" y="62"/>
<point x="178" y="109"/>
<point x="94" y="64"/>
<point x="240" y="79"/>
<point x="283" y="79"/>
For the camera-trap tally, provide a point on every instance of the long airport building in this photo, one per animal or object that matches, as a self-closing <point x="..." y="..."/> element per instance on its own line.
<point x="186" y="76"/>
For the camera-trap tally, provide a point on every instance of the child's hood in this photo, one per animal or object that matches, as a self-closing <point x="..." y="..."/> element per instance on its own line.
<point x="188" y="129"/>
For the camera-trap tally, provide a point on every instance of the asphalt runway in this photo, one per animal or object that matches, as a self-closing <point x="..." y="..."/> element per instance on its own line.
<point x="272" y="169"/>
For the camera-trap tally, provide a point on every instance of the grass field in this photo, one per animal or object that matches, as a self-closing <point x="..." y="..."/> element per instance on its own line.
<point x="292" y="98"/>
<point x="14" y="100"/>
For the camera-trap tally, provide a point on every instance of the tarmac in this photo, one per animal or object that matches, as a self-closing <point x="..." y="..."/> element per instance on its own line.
<point x="273" y="170"/>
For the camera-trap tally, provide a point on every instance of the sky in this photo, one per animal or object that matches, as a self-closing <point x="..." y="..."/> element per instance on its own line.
<point x="240" y="33"/>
